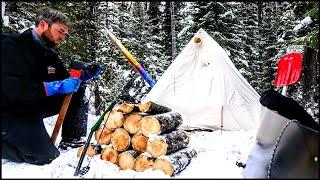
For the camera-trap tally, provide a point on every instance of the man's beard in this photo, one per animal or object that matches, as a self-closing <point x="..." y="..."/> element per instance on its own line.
<point x="47" y="42"/>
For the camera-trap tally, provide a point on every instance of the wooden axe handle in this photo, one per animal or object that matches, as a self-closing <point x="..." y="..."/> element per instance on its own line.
<point x="62" y="114"/>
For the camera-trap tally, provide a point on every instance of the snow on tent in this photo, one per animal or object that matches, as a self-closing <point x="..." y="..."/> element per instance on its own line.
<point x="204" y="86"/>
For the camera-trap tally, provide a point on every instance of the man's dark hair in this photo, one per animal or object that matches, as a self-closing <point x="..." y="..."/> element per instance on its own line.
<point x="52" y="16"/>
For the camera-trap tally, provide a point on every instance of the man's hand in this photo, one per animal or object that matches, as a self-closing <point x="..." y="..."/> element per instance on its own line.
<point x="65" y="86"/>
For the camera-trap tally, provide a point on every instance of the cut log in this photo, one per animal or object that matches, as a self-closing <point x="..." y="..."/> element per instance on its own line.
<point x="176" y="162"/>
<point x="139" y="142"/>
<point x="109" y="154"/>
<point x="167" y="143"/>
<point x="91" y="151"/>
<point x="176" y="140"/>
<point x="114" y="120"/>
<point x="152" y="108"/>
<point x="143" y="162"/>
<point x="120" y="139"/>
<point x="132" y="122"/>
<point x="127" y="107"/>
<point x="127" y="159"/>
<point x="160" y="123"/>
<point x="104" y="137"/>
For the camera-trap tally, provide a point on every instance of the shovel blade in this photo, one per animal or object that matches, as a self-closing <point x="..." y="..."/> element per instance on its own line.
<point x="289" y="69"/>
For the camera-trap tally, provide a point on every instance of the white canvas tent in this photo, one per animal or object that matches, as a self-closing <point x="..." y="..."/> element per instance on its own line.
<point x="204" y="86"/>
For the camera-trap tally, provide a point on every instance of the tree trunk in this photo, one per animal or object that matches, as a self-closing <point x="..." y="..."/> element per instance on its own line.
<point x="143" y="162"/>
<point x="139" y="142"/>
<point x="174" y="163"/>
<point x="160" y="123"/>
<point x="109" y="154"/>
<point x="152" y="108"/>
<point x="173" y="30"/>
<point x="120" y="139"/>
<point x="132" y="122"/>
<point x="306" y="88"/>
<point x="114" y="120"/>
<point x="127" y="159"/>
<point x="167" y="143"/>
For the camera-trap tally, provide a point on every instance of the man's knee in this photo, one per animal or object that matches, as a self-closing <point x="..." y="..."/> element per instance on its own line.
<point x="11" y="153"/>
<point x="39" y="160"/>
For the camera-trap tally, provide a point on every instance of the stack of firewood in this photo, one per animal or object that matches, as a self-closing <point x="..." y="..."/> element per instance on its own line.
<point x="142" y="136"/>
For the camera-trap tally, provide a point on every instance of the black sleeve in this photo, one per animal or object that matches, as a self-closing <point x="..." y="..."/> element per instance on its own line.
<point x="16" y="84"/>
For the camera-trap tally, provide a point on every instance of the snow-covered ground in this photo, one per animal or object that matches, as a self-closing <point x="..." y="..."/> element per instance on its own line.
<point x="217" y="154"/>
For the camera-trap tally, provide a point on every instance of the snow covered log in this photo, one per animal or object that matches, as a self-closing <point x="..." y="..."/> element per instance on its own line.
<point x="139" y="142"/>
<point x="120" y="139"/>
<point x="153" y="108"/>
<point x="160" y="123"/>
<point x="114" y="120"/>
<point x="109" y="154"/>
<point x="143" y="162"/>
<point x="176" y="162"/>
<point x="127" y="107"/>
<point x="132" y="122"/>
<point x="167" y="143"/>
<point x="127" y="159"/>
<point x="104" y="137"/>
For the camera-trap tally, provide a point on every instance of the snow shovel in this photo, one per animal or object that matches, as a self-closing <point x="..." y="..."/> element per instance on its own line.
<point x="84" y="151"/>
<point x="289" y="70"/>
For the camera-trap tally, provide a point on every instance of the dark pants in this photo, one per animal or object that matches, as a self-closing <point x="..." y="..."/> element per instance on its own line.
<point x="25" y="139"/>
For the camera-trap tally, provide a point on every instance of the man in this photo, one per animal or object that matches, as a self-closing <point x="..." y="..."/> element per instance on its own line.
<point x="34" y="82"/>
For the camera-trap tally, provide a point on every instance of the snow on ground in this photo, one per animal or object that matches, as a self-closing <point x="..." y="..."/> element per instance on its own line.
<point x="217" y="154"/>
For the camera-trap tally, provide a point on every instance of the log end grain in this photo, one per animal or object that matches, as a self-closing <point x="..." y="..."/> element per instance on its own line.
<point x="144" y="106"/>
<point x="143" y="162"/>
<point x="109" y="154"/>
<point x="157" y="147"/>
<point x="139" y="142"/>
<point x="150" y="125"/>
<point x="104" y="137"/>
<point x="120" y="139"/>
<point x="163" y="165"/>
<point x="126" y="160"/>
<point x="115" y="120"/>
<point x="132" y="122"/>
<point x="90" y="151"/>
<point x="125" y="107"/>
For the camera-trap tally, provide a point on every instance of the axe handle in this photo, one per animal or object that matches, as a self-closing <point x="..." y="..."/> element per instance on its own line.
<point x="62" y="114"/>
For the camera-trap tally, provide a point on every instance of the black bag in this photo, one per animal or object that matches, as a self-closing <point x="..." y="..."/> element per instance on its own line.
<point x="284" y="149"/>
<point x="288" y="108"/>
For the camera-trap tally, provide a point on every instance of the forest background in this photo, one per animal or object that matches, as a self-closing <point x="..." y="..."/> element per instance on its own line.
<point x="254" y="34"/>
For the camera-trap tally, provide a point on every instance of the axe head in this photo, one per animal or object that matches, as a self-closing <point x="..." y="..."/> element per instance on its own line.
<point x="289" y="69"/>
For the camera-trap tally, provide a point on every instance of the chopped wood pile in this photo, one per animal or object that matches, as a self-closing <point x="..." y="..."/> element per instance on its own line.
<point x="142" y="136"/>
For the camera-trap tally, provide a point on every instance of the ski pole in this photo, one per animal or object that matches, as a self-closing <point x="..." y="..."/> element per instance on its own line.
<point x="93" y="129"/>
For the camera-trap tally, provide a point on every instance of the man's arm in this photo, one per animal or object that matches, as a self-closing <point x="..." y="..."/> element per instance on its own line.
<point x="16" y="82"/>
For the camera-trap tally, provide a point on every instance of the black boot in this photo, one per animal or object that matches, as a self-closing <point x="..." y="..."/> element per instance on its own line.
<point x="72" y="143"/>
